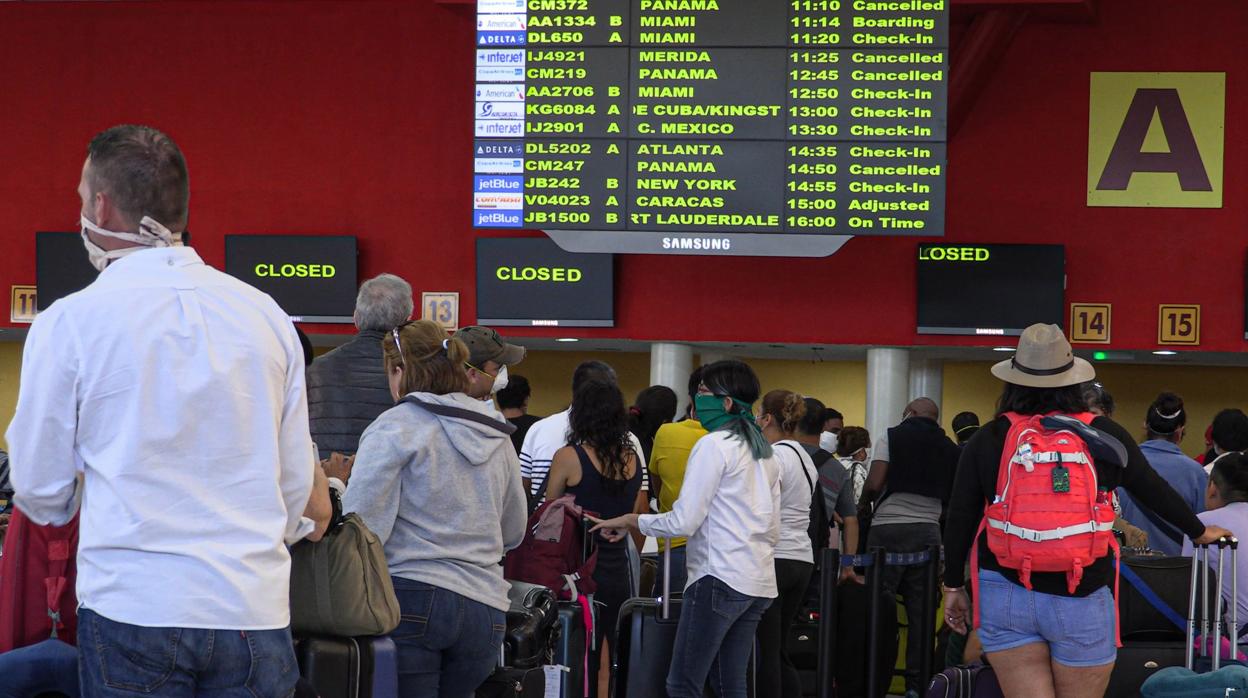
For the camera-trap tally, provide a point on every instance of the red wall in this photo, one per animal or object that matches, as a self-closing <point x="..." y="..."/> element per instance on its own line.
<point x="354" y="117"/>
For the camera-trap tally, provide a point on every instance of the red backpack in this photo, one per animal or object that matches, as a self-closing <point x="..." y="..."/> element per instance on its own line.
<point x="37" y="576"/>
<point x="1049" y="514"/>
<point x="555" y="551"/>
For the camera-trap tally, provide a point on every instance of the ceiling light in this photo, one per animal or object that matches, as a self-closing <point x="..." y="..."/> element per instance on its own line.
<point x="1165" y="352"/>
<point x="567" y="339"/>
<point x="1003" y="348"/>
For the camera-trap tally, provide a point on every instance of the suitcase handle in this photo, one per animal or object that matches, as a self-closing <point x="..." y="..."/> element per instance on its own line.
<point x="1200" y="575"/>
<point x="666" y="608"/>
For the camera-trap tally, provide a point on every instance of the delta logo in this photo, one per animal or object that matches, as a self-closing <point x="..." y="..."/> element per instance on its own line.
<point x="498" y="149"/>
<point x="501" y="38"/>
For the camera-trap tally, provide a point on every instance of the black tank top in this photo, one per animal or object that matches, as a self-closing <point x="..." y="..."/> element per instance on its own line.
<point x="592" y="492"/>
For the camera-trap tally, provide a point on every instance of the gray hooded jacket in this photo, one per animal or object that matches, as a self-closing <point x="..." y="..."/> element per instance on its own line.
<point x="441" y="488"/>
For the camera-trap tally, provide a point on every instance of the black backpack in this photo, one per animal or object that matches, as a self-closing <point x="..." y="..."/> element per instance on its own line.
<point x="820" y="522"/>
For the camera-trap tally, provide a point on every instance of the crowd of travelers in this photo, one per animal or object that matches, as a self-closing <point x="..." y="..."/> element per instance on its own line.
<point x="178" y="420"/>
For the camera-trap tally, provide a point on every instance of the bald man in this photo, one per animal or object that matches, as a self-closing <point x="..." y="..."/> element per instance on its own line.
<point x="909" y="483"/>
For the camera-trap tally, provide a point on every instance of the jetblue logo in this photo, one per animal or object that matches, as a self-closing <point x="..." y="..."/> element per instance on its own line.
<point x="499" y="128"/>
<point x="498" y="165"/>
<point x="498" y="73"/>
<point x="500" y="6"/>
<point x="500" y="110"/>
<point x="497" y="183"/>
<point x="500" y="93"/>
<point x="502" y="23"/>
<point x="498" y="219"/>
<point x="516" y="38"/>
<point x="498" y="149"/>
<point x="500" y="56"/>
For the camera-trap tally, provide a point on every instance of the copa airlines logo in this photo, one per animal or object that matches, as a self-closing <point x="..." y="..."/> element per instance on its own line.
<point x="485" y="201"/>
<point x="500" y="6"/>
<point x="500" y="110"/>
<point x="499" y="128"/>
<point x="499" y="73"/>
<point x="502" y="23"/>
<point x="498" y="165"/>
<point x="500" y="93"/>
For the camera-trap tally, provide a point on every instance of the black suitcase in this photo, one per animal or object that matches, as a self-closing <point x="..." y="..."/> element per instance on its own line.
<point x="532" y="623"/>
<point x="514" y="683"/>
<point x="804" y="651"/>
<point x="572" y="648"/>
<point x="337" y="667"/>
<point x="1170" y="579"/>
<point x="852" y="634"/>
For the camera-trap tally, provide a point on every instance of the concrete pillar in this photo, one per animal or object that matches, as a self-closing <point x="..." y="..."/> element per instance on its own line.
<point x="670" y="365"/>
<point x="888" y="388"/>
<point x="927" y="379"/>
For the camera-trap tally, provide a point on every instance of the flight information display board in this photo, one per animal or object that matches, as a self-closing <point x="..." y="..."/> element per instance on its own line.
<point x="989" y="290"/>
<point x="711" y="126"/>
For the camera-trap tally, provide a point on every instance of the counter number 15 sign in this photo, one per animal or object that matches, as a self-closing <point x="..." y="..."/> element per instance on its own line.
<point x="441" y="307"/>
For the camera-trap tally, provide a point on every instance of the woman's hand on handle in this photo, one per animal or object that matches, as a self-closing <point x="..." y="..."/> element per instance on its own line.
<point x="957" y="610"/>
<point x="615" y="529"/>
<point x="1212" y="534"/>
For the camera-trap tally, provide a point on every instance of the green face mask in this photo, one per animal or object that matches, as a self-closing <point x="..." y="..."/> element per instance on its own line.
<point x="711" y="412"/>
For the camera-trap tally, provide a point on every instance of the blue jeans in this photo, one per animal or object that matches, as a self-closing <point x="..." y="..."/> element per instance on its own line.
<point x="448" y="644"/>
<point x="50" y="666"/>
<point x="119" y="659"/>
<point x="714" y="639"/>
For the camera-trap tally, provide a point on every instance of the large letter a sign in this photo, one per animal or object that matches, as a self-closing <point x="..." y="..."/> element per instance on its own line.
<point x="1155" y="139"/>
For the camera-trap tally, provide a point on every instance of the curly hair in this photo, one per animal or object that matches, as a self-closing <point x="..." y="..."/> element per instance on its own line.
<point x="598" y="419"/>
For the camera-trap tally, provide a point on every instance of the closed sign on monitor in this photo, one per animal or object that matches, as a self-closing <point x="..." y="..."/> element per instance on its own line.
<point x="312" y="277"/>
<point x="532" y="282"/>
<point x="989" y="289"/>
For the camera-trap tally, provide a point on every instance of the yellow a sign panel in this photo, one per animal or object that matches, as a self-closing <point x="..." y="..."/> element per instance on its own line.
<point x="1156" y="139"/>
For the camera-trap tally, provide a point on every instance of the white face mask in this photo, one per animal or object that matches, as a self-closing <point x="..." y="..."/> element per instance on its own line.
<point x="151" y="234"/>
<point x="500" y="379"/>
<point x="827" y="441"/>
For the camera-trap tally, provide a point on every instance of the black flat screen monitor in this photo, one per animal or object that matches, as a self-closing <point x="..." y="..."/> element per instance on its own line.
<point x="989" y="289"/>
<point x="534" y="283"/>
<point x="61" y="267"/>
<point x="312" y="277"/>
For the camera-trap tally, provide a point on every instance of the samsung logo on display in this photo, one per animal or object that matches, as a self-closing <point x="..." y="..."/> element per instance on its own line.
<point x="495" y="73"/>
<point x="516" y="38"/>
<point x="510" y="202"/>
<point x="499" y="183"/>
<point x="500" y="93"/>
<point x="498" y="219"/>
<point x="498" y="166"/>
<point x="500" y="110"/>
<point x="495" y="128"/>
<point x="502" y="23"/>
<point x="500" y="6"/>
<point x="698" y="243"/>
<point x="989" y="331"/>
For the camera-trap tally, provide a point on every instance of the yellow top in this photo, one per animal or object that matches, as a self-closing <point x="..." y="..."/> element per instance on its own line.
<point x="668" y="458"/>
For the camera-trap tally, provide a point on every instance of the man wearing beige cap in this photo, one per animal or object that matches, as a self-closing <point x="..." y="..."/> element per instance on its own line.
<point x="488" y="359"/>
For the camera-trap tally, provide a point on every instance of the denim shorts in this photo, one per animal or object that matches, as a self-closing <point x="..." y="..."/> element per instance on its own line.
<point x="1078" y="630"/>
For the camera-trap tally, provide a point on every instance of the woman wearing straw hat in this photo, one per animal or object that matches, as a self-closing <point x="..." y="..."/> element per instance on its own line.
<point x="1047" y="641"/>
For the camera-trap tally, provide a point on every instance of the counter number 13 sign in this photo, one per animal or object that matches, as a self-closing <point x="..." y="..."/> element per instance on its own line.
<point x="441" y="307"/>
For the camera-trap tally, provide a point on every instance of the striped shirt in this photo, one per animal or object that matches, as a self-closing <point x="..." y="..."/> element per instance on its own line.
<point x="549" y="435"/>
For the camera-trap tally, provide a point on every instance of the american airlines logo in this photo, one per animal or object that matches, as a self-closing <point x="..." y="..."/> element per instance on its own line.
<point x="500" y="93"/>
<point x="501" y="23"/>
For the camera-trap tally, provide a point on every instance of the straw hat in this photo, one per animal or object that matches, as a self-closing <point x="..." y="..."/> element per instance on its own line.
<point x="1044" y="359"/>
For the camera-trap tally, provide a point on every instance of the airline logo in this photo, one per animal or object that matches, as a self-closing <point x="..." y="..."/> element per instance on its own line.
<point x="498" y="219"/>
<point x="499" y="73"/>
<point x="498" y="149"/>
<point x="498" y="165"/>
<point x="500" y="6"/>
<point x="499" y="128"/>
<point x="502" y="23"/>
<point x="500" y="93"/>
<point x="508" y="38"/>
<point x="497" y="183"/>
<point x="500" y="110"/>
<point x="487" y="200"/>
<point x="500" y="56"/>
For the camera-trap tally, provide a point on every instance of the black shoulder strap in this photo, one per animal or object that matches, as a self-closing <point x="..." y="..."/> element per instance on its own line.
<point x="820" y="457"/>
<point x="460" y="413"/>
<point x="809" y="483"/>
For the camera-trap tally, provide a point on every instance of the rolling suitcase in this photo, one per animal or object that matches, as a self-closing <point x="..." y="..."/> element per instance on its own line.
<point x="1204" y="676"/>
<point x="572" y="649"/>
<point x="385" y="682"/>
<point x="337" y="667"/>
<point x="531" y="624"/>
<point x="804" y="650"/>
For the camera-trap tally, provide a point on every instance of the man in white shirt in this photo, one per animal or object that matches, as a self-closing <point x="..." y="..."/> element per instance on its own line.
<point x="170" y="397"/>
<point x="551" y="434"/>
